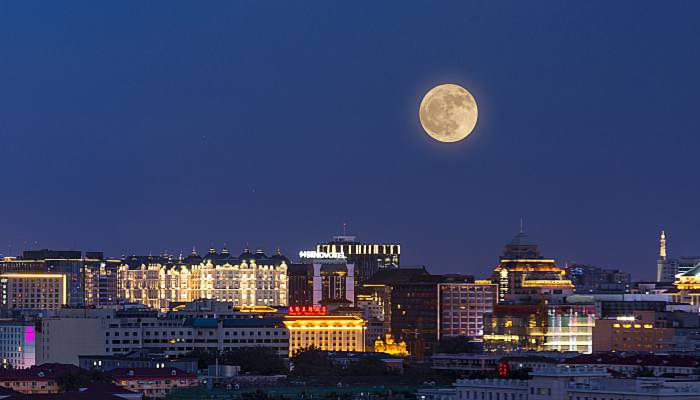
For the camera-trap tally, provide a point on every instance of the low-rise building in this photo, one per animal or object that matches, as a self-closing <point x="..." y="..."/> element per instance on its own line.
<point x="310" y="326"/>
<point x="153" y="382"/>
<point x="137" y="359"/>
<point x="631" y="364"/>
<point x="64" y="337"/>
<point x="581" y="383"/>
<point x="42" y="379"/>
<point x="640" y="332"/>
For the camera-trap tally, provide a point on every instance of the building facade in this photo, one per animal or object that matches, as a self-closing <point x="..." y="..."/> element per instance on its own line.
<point x="524" y="276"/>
<point x="33" y="291"/>
<point x="668" y="269"/>
<point x="640" y="332"/>
<point x="591" y="279"/>
<point x="91" y="280"/>
<point x="367" y="258"/>
<point x="153" y="382"/>
<point x="543" y="327"/>
<point x="300" y="284"/>
<point x="17" y="344"/>
<point x="72" y="333"/>
<point x="462" y="307"/>
<point x="249" y="280"/>
<point x="314" y="328"/>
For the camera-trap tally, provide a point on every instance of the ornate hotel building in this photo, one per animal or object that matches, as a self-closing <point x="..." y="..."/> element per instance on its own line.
<point x="251" y="279"/>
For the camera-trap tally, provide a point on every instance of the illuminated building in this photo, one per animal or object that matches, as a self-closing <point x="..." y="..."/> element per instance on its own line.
<point x="210" y="308"/>
<point x="408" y="299"/>
<point x="33" y="291"/>
<point x="640" y="332"/>
<point x="90" y="280"/>
<point x="462" y="307"/>
<point x="373" y="311"/>
<point x="667" y="269"/>
<point x="252" y="279"/>
<point x="414" y="313"/>
<point x="390" y="346"/>
<point x="311" y="327"/>
<point x="333" y="279"/>
<point x="524" y="276"/>
<point x="539" y="327"/>
<point x="153" y="382"/>
<point x="17" y="344"/>
<point x="687" y="287"/>
<point x="368" y="259"/>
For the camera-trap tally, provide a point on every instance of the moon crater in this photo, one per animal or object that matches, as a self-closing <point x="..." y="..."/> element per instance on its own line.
<point x="448" y="113"/>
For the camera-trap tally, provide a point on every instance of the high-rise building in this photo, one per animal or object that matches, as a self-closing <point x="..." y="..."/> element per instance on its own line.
<point x="377" y="294"/>
<point x="251" y="279"/>
<point x="524" y="276"/>
<point x="462" y="306"/>
<point x="33" y="291"/>
<point x="91" y="280"/>
<point x="368" y="259"/>
<point x="667" y="269"/>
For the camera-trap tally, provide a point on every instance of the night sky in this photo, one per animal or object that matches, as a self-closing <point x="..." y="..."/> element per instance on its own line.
<point x="147" y="126"/>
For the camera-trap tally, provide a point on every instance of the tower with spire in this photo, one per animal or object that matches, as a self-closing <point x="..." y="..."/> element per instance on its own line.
<point x="662" y="246"/>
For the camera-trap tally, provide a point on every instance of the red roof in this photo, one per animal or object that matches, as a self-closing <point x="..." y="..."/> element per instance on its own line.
<point x="44" y="372"/>
<point x="636" y="359"/>
<point x="150" y="373"/>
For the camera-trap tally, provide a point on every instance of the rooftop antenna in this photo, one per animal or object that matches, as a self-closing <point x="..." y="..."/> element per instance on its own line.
<point x="345" y="228"/>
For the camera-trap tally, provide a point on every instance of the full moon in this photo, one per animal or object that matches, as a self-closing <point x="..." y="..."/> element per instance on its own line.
<point x="448" y="113"/>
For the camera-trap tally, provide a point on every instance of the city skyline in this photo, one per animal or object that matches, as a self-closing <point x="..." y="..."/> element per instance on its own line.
<point x="179" y="129"/>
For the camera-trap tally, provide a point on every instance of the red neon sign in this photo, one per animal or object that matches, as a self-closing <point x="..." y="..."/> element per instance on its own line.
<point x="307" y="310"/>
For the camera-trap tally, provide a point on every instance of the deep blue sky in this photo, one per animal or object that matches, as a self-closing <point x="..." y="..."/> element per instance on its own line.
<point x="158" y="125"/>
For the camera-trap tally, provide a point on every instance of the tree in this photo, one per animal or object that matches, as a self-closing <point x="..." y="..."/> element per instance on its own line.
<point x="82" y="378"/>
<point x="644" y="372"/>
<point x="254" y="360"/>
<point x="312" y="362"/>
<point x="368" y="366"/>
<point x="457" y="344"/>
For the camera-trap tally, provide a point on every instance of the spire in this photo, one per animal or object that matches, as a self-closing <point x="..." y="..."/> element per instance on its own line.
<point x="194" y="250"/>
<point x="522" y="225"/>
<point x="662" y="245"/>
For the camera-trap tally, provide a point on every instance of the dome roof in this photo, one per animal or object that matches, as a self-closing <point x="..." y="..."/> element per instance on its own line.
<point x="259" y="254"/>
<point x="246" y="254"/>
<point x="279" y="257"/>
